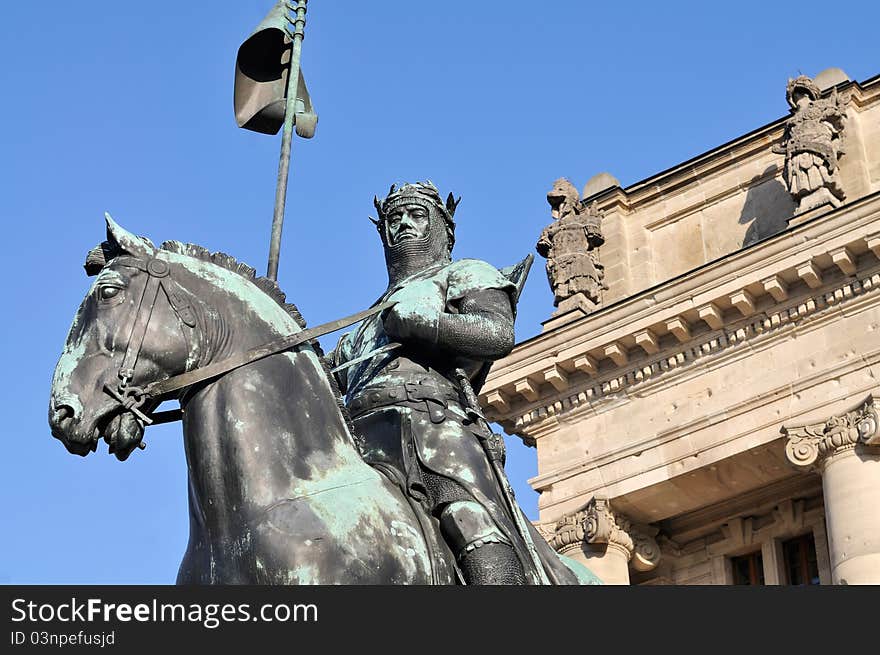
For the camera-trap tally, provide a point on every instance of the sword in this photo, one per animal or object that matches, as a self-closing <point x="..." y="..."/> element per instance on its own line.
<point x="472" y="408"/>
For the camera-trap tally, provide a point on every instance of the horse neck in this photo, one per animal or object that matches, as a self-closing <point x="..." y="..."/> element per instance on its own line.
<point x="265" y="432"/>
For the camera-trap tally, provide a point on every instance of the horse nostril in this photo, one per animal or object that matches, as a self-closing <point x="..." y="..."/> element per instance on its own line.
<point x="63" y="414"/>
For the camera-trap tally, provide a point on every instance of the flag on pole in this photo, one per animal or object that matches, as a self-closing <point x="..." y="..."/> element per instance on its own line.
<point x="262" y="68"/>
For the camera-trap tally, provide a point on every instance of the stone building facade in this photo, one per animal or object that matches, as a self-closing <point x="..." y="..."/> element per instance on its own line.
<point x="711" y="419"/>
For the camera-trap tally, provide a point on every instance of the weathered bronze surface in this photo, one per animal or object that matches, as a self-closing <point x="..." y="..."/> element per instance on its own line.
<point x="413" y="406"/>
<point x="279" y="492"/>
<point x="270" y="92"/>
<point x="286" y="485"/>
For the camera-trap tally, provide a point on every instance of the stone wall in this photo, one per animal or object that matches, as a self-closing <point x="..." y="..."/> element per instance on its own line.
<point x="669" y="413"/>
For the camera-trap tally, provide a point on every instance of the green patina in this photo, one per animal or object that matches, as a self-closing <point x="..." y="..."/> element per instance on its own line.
<point x="584" y="575"/>
<point x="67" y="364"/>
<point x="335" y="513"/>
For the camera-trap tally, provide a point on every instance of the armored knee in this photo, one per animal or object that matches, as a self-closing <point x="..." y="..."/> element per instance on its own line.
<point x="466" y="525"/>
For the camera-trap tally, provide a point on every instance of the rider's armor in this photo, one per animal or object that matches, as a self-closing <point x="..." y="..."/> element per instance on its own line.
<point x="407" y="407"/>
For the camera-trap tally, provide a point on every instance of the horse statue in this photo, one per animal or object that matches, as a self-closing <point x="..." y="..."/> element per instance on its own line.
<point x="278" y="491"/>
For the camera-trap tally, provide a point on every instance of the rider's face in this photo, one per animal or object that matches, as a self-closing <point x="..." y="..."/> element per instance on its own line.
<point x="405" y="222"/>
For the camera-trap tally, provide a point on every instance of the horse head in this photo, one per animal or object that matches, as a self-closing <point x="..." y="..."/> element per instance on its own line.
<point x="110" y="354"/>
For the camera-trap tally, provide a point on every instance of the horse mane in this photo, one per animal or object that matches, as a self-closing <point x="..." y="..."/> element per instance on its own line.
<point x="266" y="285"/>
<point x="270" y="288"/>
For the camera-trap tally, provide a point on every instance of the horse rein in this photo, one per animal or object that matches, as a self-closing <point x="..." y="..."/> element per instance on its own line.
<point x="132" y="398"/>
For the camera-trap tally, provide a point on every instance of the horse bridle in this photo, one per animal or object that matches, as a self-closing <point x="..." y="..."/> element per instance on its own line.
<point x="132" y="397"/>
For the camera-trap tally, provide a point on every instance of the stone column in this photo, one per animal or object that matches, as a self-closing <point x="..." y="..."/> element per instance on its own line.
<point x="606" y="542"/>
<point x="845" y="450"/>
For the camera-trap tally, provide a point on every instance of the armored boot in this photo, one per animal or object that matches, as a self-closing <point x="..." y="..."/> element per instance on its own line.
<point x="495" y="564"/>
<point x="485" y="556"/>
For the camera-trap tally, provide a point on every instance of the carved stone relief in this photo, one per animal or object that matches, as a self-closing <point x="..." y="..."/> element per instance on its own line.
<point x="807" y="446"/>
<point x="597" y="523"/>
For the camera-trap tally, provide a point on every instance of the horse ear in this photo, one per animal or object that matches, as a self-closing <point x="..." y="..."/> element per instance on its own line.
<point x="126" y="241"/>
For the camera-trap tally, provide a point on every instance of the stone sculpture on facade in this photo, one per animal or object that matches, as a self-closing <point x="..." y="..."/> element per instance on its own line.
<point x="812" y="145"/>
<point x="573" y="269"/>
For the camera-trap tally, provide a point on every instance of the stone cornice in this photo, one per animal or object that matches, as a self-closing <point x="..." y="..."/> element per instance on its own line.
<point x="598" y="524"/>
<point x="807" y="447"/>
<point x="670" y="366"/>
<point x="622" y="485"/>
<point x="799" y="274"/>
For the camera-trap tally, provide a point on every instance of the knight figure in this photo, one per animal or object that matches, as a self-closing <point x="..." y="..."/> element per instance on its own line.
<point x="569" y="243"/>
<point x="812" y="145"/>
<point x="397" y="371"/>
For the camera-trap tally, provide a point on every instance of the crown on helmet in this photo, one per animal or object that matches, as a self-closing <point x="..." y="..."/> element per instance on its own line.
<point x="420" y="193"/>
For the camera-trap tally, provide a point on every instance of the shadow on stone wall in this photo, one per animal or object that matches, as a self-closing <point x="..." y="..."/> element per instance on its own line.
<point x="768" y="207"/>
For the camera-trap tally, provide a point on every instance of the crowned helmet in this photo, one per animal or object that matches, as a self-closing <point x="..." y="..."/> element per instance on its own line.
<point x="436" y="245"/>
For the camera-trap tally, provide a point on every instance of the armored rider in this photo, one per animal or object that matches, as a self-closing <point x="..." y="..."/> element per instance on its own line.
<point x="404" y="400"/>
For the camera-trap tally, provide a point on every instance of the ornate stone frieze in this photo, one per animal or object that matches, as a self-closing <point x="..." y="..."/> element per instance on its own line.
<point x="807" y="446"/>
<point x="812" y="145"/>
<point x="573" y="269"/>
<point x="756" y="326"/>
<point x="598" y="524"/>
<point x="568" y="532"/>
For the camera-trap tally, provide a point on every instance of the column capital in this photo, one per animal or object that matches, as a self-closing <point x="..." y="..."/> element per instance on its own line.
<point x="597" y="523"/>
<point x="808" y="446"/>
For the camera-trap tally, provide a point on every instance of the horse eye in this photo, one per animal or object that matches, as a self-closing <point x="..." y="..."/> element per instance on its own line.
<point x="109" y="292"/>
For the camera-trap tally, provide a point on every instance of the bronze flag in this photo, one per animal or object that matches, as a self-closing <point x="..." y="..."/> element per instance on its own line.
<point x="261" y="71"/>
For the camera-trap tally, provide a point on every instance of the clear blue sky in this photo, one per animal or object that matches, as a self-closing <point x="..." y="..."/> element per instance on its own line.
<point x="126" y="107"/>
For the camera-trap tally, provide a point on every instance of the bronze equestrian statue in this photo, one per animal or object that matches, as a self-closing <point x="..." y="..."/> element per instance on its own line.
<point x="282" y="490"/>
